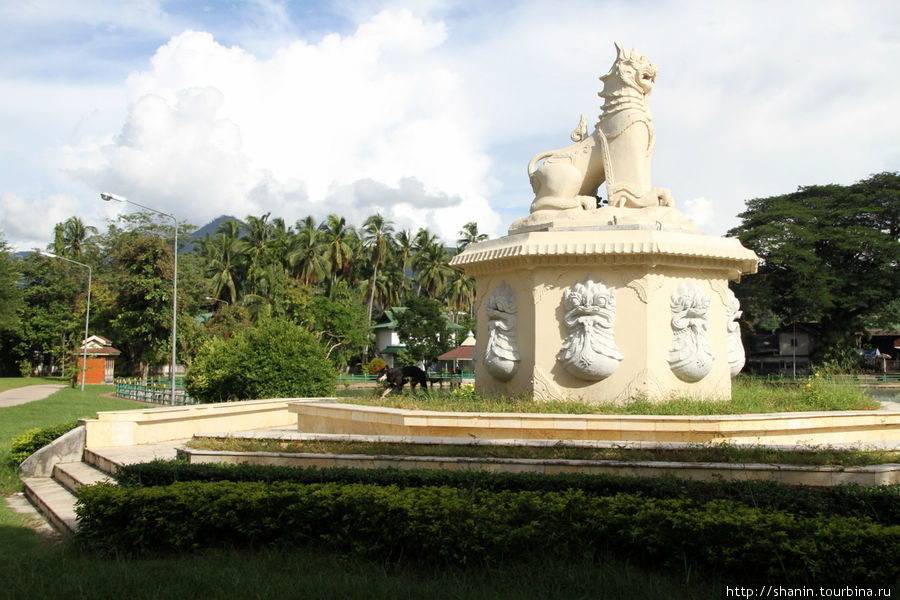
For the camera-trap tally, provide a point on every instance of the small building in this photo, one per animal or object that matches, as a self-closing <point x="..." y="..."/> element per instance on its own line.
<point x="881" y="347"/>
<point x="461" y="358"/>
<point x="101" y="360"/>
<point x="787" y="351"/>
<point x="387" y="340"/>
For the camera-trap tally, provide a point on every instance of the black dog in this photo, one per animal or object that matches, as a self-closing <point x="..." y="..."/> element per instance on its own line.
<point x="397" y="376"/>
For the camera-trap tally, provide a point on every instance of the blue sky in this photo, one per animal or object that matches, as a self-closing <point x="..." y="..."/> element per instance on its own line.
<point x="425" y="111"/>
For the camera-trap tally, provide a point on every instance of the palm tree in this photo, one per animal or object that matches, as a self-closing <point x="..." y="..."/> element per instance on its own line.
<point x="70" y="237"/>
<point x="460" y="291"/>
<point x="422" y="242"/>
<point x="338" y="240"/>
<point x="432" y="264"/>
<point x="469" y="235"/>
<point x="305" y="257"/>
<point x="223" y="256"/>
<point x="257" y="238"/>
<point x="376" y="236"/>
<point x="403" y="250"/>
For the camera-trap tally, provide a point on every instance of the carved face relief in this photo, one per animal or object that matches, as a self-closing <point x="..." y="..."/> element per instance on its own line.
<point x="690" y="357"/>
<point x="736" y="356"/>
<point x="501" y="354"/>
<point x="589" y="350"/>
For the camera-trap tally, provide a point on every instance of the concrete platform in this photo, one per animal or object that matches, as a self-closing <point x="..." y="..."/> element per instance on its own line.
<point x="886" y="474"/>
<point x="826" y="428"/>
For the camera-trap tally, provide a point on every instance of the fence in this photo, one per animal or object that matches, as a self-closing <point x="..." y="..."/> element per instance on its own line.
<point x="155" y="390"/>
<point x="868" y="378"/>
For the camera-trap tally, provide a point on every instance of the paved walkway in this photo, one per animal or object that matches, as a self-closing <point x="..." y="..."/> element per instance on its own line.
<point x="29" y="393"/>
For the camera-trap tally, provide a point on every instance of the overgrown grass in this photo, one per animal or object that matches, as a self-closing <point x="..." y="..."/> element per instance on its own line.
<point x="720" y="453"/>
<point x="749" y="396"/>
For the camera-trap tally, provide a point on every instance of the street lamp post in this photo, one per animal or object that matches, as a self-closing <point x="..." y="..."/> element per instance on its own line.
<point x="115" y="198"/>
<point x="87" y="314"/>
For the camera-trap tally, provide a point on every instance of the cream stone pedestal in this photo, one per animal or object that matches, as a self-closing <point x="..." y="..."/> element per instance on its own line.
<point x="645" y="259"/>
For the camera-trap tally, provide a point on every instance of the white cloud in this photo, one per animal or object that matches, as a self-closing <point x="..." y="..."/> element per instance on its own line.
<point x="27" y="220"/>
<point x="214" y="130"/>
<point x="699" y="211"/>
<point x="444" y="103"/>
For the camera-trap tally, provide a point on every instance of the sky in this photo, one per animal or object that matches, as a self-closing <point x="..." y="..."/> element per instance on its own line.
<point x="427" y="111"/>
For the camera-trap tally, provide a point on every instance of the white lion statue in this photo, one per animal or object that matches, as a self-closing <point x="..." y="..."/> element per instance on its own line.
<point x="618" y="151"/>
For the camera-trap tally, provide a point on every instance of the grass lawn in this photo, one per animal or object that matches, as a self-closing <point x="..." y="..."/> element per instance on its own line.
<point x="749" y="396"/>
<point x="9" y="383"/>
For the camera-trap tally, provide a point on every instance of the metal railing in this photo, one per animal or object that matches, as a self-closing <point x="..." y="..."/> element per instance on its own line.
<point x="154" y="390"/>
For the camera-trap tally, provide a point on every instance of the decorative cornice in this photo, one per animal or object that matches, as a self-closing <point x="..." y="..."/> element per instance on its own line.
<point x="611" y="248"/>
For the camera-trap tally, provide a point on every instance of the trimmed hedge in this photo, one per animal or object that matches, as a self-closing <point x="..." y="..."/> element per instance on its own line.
<point x="880" y="504"/>
<point x="452" y="526"/>
<point x="29" y="442"/>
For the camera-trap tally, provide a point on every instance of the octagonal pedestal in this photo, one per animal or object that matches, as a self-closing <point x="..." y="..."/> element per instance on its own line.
<point x="541" y="275"/>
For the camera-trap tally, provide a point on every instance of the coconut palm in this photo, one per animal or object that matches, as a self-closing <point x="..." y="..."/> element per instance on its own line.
<point x="305" y="257"/>
<point x="376" y="237"/>
<point x="223" y="256"/>
<point x="460" y="293"/>
<point x="338" y="241"/>
<point x="70" y="237"/>
<point x="432" y="265"/>
<point x="469" y="235"/>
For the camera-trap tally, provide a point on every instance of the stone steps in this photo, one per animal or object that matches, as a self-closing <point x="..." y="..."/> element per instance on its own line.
<point x="53" y="501"/>
<point x="54" y="497"/>
<point x="73" y="475"/>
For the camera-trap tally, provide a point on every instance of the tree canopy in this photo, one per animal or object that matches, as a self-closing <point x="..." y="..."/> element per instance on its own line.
<point x="424" y="329"/>
<point x="828" y="253"/>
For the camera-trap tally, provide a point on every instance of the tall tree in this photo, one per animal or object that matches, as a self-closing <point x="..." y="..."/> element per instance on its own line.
<point x="143" y="279"/>
<point x="460" y="292"/>
<point x="376" y="237"/>
<point x="424" y="329"/>
<point x="71" y="237"/>
<point x="828" y="253"/>
<point x="223" y="257"/>
<point x="432" y="265"/>
<point x="469" y="235"/>
<point x="338" y="240"/>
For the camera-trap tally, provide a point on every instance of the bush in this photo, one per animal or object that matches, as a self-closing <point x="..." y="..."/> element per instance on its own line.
<point x="446" y="525"/>
<point x="29" y="442"/>
<point x="879" y="503"/>
<point x="278" y="359"/>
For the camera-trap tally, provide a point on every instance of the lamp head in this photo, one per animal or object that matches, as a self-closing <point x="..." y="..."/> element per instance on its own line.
<point x="44" y="253"/>
<point x="111" y="197"/>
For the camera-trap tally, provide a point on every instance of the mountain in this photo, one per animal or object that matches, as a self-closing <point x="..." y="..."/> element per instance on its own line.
<point x="208" y="229"/>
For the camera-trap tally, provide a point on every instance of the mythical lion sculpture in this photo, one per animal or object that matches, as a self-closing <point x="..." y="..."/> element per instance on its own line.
<point x="618" y="151"/>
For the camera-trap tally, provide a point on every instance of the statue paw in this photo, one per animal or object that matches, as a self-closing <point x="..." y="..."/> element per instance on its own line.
<point x="665" y="196"/>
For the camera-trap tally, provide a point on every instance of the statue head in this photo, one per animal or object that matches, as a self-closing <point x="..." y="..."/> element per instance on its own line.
<point x="631" y="69"/>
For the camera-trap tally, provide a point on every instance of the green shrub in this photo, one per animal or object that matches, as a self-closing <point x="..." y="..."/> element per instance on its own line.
<point x="29" y="442"/>
<point x="878" y="503"/>
<point x="453" y="526"/>
<point x="275" y="360"/>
